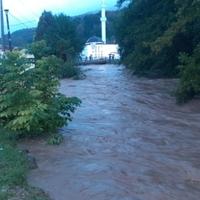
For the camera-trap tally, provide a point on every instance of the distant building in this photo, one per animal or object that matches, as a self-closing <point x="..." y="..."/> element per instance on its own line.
<point x="96" y="48"/>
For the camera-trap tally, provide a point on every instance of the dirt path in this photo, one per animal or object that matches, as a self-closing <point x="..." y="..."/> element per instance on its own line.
<point x="128" y="141"/>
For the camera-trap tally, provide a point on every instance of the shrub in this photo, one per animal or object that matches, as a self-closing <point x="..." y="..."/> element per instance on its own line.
<point x="55" y="139"/>
<point x="29" y="99"/>
<point x="190" y="76"/>
<point x="69" y="70"/>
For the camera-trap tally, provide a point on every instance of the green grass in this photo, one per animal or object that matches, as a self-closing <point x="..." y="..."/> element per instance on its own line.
<point x="13" y="171"/>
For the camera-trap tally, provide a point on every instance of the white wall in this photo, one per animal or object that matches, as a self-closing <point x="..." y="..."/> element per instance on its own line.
<point x="98" y="51"/>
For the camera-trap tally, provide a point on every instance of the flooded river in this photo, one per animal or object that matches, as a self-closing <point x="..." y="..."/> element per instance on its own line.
<point x="128" y="141"/>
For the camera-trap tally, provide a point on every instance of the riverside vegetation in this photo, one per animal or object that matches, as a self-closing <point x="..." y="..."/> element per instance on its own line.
<point x="31" y="105"/>
<point x="13" y="170"/>
<point x="160" y="38"/>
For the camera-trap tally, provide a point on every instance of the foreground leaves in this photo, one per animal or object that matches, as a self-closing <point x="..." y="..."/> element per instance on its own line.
<point x="29" y="99"/>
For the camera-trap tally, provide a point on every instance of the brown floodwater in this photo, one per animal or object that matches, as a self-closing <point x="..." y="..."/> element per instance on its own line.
<point x="128" y="141"/>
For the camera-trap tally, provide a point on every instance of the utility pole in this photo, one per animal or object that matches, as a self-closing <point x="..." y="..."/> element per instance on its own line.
<point x="8" y="27"/>
<point x="2" y="26"/>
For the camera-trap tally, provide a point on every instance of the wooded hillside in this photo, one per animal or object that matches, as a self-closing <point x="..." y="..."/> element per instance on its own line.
<point x="160" y="38"/>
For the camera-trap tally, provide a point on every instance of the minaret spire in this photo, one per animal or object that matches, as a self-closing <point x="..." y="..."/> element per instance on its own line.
<point x="103" y="21"/>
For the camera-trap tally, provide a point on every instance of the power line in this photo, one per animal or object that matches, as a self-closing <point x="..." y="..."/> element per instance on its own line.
<point x="29" y="21"/>
<point x="25" y="22"/>
<point x="31" y="12"/>
<point x="19" y="20"/>
<point x="56" y="35"/>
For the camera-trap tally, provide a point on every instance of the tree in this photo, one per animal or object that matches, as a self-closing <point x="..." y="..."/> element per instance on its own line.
<point x="60" y="35"/>
<point x="29" y="99"/>
<point x="153" y="33"/>
<point x="189" y="85"/>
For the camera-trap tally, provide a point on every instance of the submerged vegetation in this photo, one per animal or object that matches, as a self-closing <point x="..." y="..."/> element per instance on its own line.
<point x="160" y="38"/>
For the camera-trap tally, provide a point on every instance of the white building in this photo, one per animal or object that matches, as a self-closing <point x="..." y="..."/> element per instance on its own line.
<point x="96" y="48"/>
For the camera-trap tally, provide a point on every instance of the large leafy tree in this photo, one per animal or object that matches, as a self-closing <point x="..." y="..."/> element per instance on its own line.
<point x="29" y="99"/>
<point x="59" y="33"/>
<point x="142" y="22"/>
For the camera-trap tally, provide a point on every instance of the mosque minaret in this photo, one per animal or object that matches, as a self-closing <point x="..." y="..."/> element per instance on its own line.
<point x="97" y="48"/>
<point x="103" y="21"/>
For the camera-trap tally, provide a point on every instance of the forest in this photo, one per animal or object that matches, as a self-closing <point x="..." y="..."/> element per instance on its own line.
<point x="160" y="38"/>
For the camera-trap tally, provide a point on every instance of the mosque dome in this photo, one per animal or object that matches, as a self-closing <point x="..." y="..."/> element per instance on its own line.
<point x="94" y="39"/>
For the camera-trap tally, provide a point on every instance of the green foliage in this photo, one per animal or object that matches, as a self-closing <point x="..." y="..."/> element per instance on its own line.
<point x="153" y="33"/>
<point x="15" y="174"/>
<point x="13" y="170"/>
<point x="60" y="35"/>
<point x="13" y="166"/>
<point x="68" y="70"/>
<point x="142" y="22"/>
<point x="190" y="76"/>
<point x="56" y="35"/>
<point x="29" y="99"/>
<point x="39" y="49"/>
<point x="55" y="139"/>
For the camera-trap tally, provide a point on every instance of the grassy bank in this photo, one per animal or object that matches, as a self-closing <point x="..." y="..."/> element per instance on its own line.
<point x="13" y="171"/>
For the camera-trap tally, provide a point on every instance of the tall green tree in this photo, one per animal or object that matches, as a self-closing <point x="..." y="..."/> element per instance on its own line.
<point x="59" y="33"/>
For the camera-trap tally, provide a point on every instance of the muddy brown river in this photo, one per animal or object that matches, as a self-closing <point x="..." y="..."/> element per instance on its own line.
<point x="127" y="141"/>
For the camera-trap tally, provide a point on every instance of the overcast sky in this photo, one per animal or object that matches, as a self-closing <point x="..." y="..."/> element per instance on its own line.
<point x="25" y="13"/>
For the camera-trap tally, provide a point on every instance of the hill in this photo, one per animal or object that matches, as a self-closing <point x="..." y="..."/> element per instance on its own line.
<point x="87" y="25"/>
<point x="23" y="37"/>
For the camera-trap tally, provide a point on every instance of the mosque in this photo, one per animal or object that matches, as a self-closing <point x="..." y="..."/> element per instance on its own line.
<point x="97" y="48"/>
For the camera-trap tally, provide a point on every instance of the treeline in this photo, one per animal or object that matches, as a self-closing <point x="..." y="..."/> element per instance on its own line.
<point x="160" y="38"/>
<point x="86" y="26"/>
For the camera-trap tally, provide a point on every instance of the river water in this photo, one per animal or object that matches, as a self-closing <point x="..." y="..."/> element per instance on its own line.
<point x="127" y="141"/>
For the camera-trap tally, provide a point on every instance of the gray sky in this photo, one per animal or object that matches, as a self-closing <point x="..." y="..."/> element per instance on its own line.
<point x="25" y="13"/>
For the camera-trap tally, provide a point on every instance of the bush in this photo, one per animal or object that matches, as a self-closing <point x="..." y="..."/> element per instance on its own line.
<point x="29" y="99"/>
<point x="69" y="70"/>
<point x="190" y="76"/>
<point x="55" y="139"/>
